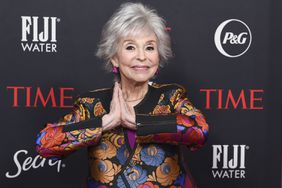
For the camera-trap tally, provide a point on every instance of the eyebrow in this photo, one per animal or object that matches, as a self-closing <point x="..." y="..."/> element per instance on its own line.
<point x="150" y="41"/>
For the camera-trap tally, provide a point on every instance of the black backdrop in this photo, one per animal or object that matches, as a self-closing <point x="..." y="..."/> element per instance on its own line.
<point x="197" y="64"/>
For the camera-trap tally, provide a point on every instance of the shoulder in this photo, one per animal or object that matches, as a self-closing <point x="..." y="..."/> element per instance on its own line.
<point x="169" y="88"/>
<point x="101" y="94"/>
<point x="97" y="92"/>
<point x="169" y="93"/>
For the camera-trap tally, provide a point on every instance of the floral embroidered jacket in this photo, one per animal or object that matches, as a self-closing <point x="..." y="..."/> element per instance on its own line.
<point x="165" y="119"/>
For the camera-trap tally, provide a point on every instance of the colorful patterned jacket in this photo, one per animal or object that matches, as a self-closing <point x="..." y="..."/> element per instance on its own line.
<point x="165" y="120"/>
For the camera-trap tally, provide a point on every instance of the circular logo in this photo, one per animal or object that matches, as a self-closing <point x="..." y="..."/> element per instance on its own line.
<point x="232" y="38"/>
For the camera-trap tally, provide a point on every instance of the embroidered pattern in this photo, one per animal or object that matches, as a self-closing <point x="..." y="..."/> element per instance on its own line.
<point x="154" y="163"/>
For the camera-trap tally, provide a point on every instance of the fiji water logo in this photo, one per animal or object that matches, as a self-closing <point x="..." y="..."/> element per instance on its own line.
<point x="233" y="38"/>
<point x="229" y="161"/>
<point x="39" y="34"/>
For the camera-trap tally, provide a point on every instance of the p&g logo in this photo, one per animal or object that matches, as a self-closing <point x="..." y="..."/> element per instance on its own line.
<point x="232" y="38"/>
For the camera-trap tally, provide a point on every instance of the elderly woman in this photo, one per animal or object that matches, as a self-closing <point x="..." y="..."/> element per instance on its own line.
<point x="134" y="129"/>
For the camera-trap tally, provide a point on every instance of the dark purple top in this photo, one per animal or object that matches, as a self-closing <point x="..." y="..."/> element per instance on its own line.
<point x="131" y="137"/>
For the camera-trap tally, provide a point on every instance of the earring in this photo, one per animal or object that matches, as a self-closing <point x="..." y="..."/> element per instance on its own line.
<point x="115" y="70"/>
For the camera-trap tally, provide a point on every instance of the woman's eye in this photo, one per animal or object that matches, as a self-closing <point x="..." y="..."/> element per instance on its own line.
<point x="130" y="48"/>
<point x="150" y="48"/>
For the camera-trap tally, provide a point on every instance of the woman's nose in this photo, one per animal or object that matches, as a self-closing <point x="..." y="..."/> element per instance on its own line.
<point x="141" y="56"/>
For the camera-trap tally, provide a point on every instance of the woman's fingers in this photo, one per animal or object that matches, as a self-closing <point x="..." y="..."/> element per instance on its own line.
<point x="121" y="100"/>
<point x="127" y="113"/>
<point x="113" y="118"/>
<point x="115" y="92"/>
<point x="125" y="109"/>
<point x="120" y="112"/>
<point x="115" y="101"/>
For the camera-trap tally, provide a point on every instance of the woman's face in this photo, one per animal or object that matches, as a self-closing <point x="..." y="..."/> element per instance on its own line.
<point x="137" y="57"/>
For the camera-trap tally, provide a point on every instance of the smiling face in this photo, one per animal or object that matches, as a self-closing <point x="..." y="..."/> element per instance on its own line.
<point x="137" y="57"/>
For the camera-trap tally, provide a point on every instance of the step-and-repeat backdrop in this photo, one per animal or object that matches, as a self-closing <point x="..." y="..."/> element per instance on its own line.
<point x="222" y="55"/>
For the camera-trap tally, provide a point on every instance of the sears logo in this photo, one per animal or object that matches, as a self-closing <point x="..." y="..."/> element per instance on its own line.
<point x="229" y="161"/>
<point x="39" y="34"/>
<point x="232" y="38"/>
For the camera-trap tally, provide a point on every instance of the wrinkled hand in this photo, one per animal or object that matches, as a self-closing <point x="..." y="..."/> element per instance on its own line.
<point x="127" y="113"/>
<point x="120" y="112"/>
<point x="113" y="118"/>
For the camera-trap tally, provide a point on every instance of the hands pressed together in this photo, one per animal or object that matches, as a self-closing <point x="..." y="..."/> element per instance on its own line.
<point x="120" y="112"/>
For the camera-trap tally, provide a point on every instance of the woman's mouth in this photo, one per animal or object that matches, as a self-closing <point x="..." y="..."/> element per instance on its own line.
<point x="140" y="67"/>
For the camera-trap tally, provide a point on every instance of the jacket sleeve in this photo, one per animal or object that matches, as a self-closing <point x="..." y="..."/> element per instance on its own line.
<point x="80" y="128"/>
<point x="186" y="125"/>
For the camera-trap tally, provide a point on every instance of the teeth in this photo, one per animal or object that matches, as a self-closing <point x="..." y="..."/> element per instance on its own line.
<point x="140" y="67"/>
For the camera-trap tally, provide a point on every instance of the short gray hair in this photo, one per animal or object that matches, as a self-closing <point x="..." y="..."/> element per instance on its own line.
<point x="129" y="19"/>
